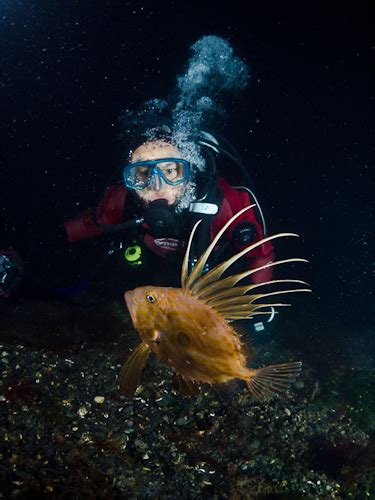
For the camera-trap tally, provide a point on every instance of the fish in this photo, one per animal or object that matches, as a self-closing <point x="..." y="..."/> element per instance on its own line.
<point x="192" y="329"/>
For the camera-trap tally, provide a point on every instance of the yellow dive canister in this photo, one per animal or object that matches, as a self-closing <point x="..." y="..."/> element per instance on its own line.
<point x="133" y="254"/>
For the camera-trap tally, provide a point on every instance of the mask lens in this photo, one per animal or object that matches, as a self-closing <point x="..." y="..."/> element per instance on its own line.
<point x="171" y="171"/>
<point x="137" y="177"/>
<point x="142" y="174"/>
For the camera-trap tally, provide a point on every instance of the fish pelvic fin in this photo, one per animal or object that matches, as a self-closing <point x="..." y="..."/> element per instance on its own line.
<point x="185" y="386"/>
<point x="274" y="379"/>
<point x="130" y="373"/>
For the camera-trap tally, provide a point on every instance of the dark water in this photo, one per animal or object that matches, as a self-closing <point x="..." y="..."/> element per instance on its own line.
<point x="302" y="127"/>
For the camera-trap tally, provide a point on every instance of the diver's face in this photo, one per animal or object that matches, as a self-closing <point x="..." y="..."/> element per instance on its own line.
<point x="154" y="150"/>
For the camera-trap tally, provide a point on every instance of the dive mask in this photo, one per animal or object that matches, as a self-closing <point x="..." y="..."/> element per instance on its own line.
<point x="140" y="175"/>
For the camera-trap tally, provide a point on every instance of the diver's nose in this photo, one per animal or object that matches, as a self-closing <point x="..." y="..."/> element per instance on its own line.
<point x="156" y="182"/>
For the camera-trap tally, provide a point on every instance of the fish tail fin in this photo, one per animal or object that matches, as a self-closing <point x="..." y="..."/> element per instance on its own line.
<point x="268" y="381"/>
<point x="130" y="373"/>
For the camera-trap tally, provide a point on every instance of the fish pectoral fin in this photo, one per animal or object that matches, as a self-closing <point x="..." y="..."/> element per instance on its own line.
<point x="271" y="380"/>
<point x="185" y="386"/>
<point x="130" y="373"/>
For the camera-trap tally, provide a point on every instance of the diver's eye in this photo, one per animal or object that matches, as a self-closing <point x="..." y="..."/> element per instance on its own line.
<point x="150" y="297"/>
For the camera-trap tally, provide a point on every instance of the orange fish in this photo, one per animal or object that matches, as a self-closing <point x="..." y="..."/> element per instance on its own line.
<point x="189" y="328"/>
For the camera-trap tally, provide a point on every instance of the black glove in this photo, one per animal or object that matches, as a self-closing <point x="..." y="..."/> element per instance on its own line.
<point x="11" y="271"/>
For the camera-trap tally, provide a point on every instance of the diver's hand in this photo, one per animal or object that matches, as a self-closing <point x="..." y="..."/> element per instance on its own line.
<point x="11" y="270"/>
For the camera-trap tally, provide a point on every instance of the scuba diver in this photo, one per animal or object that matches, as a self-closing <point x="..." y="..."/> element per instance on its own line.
<point x="150" y="213"/>
<point x="145" y="219"/>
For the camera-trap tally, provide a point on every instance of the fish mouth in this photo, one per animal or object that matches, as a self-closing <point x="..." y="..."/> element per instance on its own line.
<point x="129" y="300"/>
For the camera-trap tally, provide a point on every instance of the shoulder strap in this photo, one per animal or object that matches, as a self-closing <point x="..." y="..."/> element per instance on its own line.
<point x="258" y="208"/>
<point x="204" y="208"/>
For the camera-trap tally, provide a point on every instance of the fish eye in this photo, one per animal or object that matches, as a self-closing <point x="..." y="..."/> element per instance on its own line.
<point x="150" y="297"/>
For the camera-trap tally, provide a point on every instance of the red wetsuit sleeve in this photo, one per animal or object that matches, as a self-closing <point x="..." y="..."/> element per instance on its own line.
<point x="234" y="200"/>
<point x="109" y="211"/>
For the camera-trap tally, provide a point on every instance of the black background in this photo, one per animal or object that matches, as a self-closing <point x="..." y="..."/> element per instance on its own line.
<point x="68" y="68"/>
